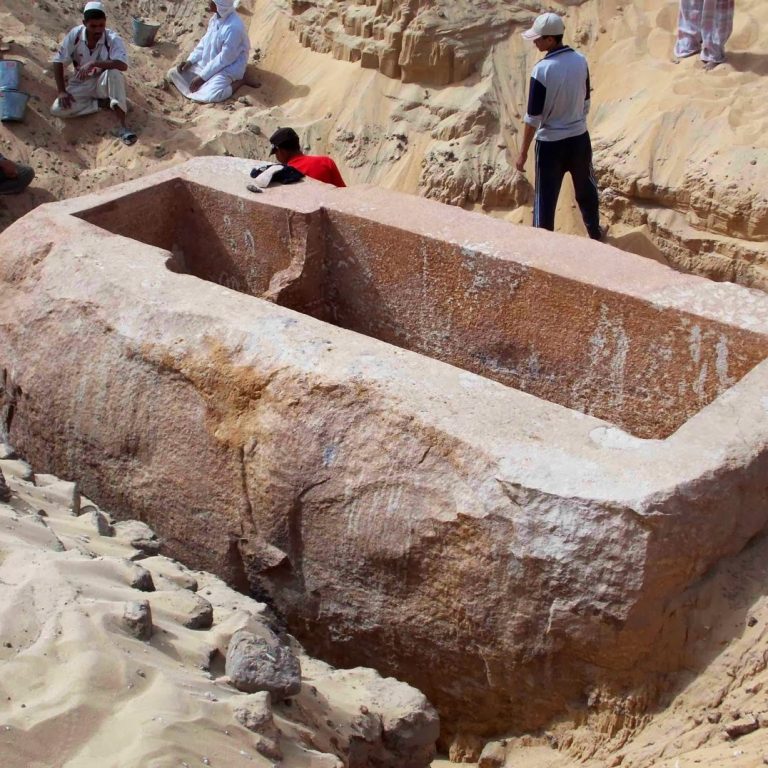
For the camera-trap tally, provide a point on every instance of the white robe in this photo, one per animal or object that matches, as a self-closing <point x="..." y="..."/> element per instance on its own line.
<point x="220" y="57"/>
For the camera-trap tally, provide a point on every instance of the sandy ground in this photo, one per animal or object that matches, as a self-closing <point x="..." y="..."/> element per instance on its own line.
<point x="80" y="689"/>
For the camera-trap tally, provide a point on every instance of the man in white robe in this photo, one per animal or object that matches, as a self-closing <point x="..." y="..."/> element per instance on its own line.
<point x="98" y="57"/>
<point x="215" y="69"/>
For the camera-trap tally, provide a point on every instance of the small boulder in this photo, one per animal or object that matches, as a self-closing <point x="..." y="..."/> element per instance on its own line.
<point x="187" y="608"/>
<point x="741" y="727"/>
<point x="139" y="578"/>
<point x="139" y="535"/>
<point x="262" y="664"/>
<point x="494" y="755"/>
<point x="60" y="492"/>
<point x="254" y="712"/>
<point x="97" y="520"/>
<point x="170" y="574"/>
<point x="137" y="619"/>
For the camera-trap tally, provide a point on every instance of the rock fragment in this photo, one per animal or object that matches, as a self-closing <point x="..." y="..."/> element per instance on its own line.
<point x="137" y="619"/>
<point x="187" y="608"/>
<point x="262" y="664"/>
<point x="139" y="535"/>
<point x="741" y="727"/>
<point x="99" y="521"/>
<point x="494" y="755"/>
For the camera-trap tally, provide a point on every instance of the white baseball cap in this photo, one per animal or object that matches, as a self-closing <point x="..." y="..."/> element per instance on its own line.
<point x="95" y="6"/>
<point x="545" y="25"/>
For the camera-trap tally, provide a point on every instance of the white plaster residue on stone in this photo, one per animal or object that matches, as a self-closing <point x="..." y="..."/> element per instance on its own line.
<point x="473" y="250"/>
<point x="608" y="351"/>
<point x="698" y="385"/>
<point x="250" y="244"/>
<point x="724" y="381"/>
<point x="616" y="439"/>
<point x="695" y="344"/>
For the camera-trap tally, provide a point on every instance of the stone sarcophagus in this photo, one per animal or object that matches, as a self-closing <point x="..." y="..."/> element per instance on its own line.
<point x="486" y="459"/>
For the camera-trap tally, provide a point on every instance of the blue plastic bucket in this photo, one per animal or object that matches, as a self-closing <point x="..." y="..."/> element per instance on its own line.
<point x="12" y="106"/>
<point x="144" y="33"/>
<point x="10" y="74"/>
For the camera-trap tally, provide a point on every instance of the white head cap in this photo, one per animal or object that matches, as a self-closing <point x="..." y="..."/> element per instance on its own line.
<point x="95" y="6"/>
<point x="224" y="7"/>
<point x="548" y="24"/>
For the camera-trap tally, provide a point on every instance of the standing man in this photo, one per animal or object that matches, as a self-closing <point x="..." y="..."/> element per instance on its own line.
<point x="286" y="148"/>
<point x="704" y="27"/>
<point x="216" y="68"/>
<point x="14" y="178"/>
<point x="98" y="58"/>
<point x="558" y="103"/>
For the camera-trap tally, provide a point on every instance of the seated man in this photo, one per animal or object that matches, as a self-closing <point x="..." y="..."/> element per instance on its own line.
<point x="287" y="150"/>
<point x="215" y="69"/>
<point x="99" y="58"/>
<point x="14" y="178"/>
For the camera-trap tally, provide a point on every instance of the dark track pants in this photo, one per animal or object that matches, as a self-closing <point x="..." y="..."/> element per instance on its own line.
<point x="18" y="184"/>
<point x="553" y="160"/>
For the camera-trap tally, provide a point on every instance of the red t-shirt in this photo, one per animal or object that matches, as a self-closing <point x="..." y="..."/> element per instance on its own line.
<point x="318" y="167"/>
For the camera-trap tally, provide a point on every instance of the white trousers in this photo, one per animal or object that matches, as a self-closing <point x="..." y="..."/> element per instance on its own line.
<point x="218" y="88"/>
<point x="110" y="84"/>
<point x="704" y="26"/>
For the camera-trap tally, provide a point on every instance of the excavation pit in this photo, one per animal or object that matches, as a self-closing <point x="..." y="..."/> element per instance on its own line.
<point x="484" y="459"/>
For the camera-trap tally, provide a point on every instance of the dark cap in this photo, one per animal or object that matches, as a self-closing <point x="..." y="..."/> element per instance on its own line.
<point x="284" y="138"/>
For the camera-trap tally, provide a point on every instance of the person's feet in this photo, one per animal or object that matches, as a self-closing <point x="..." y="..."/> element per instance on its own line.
<point x="710" y="65"/>
<point x="237" y="84"/>
<point x="125" y="134"/>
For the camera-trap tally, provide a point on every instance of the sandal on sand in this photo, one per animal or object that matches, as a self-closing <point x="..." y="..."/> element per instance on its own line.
<point x="126" y="135"/>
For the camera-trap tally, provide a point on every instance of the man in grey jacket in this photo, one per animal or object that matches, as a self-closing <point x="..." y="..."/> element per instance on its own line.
<point x="558" y="103"/>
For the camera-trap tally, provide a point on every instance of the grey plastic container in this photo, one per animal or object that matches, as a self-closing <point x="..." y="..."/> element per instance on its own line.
<point x="12" y="106"/>
<point x="10" y="74"/>
<point x="144" y="33"/>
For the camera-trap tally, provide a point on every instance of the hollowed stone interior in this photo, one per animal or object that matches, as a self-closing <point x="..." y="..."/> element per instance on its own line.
<point x="625" y="360"/>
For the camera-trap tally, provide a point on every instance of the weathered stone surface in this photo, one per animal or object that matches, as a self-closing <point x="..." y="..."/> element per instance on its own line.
<point x="741" y="727"/>
<point x="526" y="450"/>
<point x="188" y="609"/>
<point x="254" y="711"/>
<point x="262" y="663"/>
<point x="137" y="619"/>
<point x="99" y="521"/>
<point x="139" y="578"/>
<point x="170" y="573"/>
<point x="139" y="535"/>
<point x="494" y="755"/>
<point x="58" y="491"/>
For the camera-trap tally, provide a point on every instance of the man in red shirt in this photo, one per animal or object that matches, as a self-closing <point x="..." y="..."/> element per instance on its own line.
<point x="286" y="148"/>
